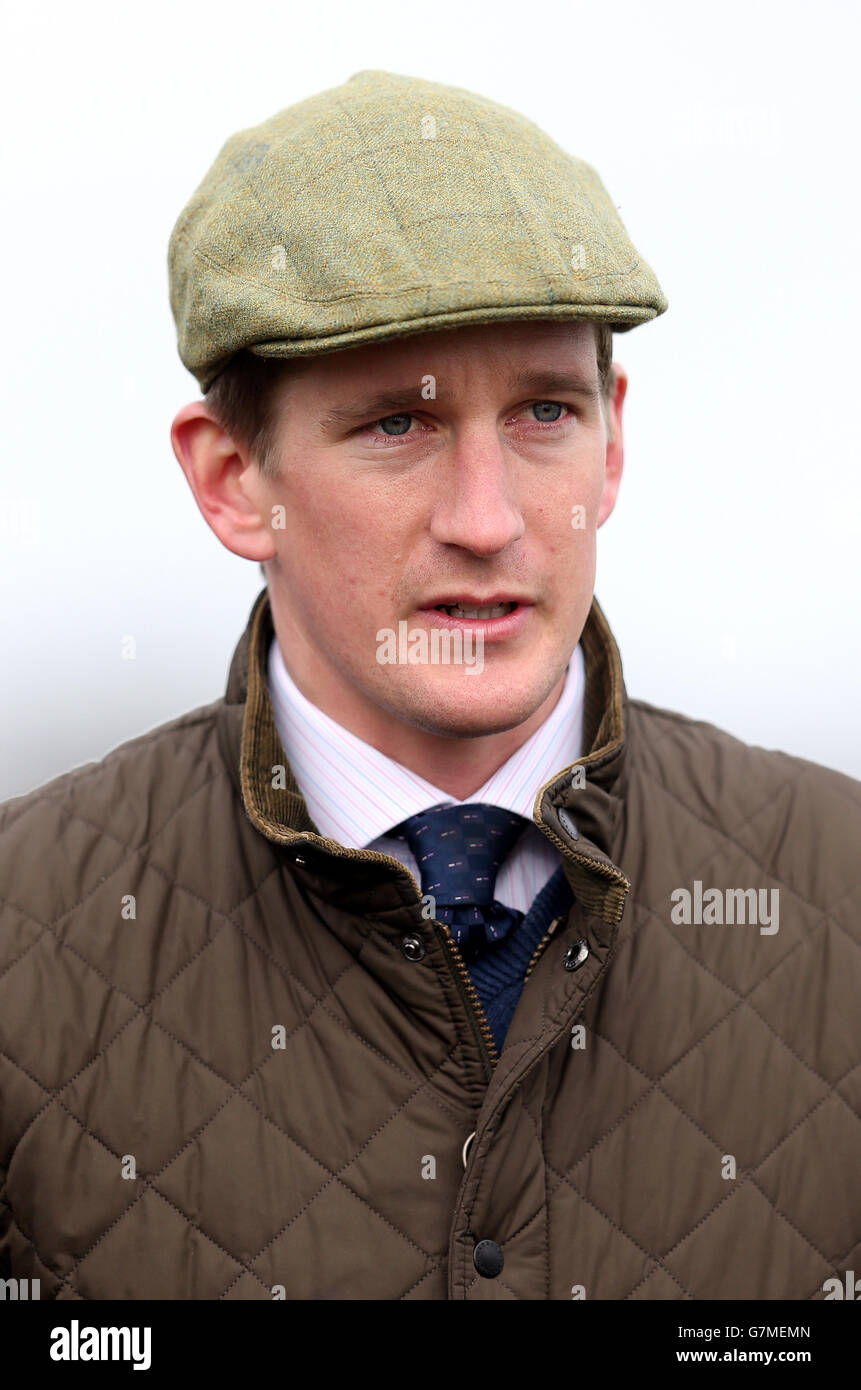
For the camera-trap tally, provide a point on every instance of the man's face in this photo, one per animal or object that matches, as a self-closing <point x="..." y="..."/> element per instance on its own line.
<point x="465" y="466"/>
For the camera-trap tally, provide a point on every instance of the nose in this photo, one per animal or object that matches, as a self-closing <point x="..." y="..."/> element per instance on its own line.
<point x="475" y="506"/>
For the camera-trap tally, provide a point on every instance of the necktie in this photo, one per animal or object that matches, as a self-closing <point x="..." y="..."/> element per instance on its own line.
<point x="458" y="850"/>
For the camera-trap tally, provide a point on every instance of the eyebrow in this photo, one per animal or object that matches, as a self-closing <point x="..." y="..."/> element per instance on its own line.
<point x="535" y="380"/>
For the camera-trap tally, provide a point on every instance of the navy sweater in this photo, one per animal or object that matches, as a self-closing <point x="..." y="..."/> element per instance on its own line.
<point x="498" y="973"/>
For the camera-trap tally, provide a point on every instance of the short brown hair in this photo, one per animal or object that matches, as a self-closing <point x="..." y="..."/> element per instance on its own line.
<point x="243" y="398"/>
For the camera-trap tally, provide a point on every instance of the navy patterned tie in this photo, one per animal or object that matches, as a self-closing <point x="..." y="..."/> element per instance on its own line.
<point x="458" y="850"/>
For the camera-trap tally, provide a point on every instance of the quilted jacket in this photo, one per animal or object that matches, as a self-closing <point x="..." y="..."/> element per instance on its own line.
<point x="237" y="1062"/>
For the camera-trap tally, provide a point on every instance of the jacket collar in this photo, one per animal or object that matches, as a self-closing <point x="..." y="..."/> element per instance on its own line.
<point x="580" y="809"/>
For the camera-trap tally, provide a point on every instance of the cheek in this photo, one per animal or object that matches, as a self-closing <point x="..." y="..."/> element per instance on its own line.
<point x="335" y="541"/>
<point x="566" y="524"/>
<point x="321" y="516"/>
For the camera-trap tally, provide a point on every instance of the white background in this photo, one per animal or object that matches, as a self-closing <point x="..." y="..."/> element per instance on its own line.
<point x="728" y="136"/>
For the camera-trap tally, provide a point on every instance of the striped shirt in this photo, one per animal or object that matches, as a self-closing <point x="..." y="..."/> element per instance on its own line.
<point x="375" y="793"/>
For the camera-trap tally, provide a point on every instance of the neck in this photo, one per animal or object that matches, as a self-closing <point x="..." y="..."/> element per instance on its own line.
<point x="458" y="766"/>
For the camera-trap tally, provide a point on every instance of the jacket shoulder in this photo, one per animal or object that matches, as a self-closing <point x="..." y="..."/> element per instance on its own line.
<point x="752" y="807"/>
<point x="665" y="737"/>
<point x="166" y="762"/>
<point x="146" y="802"/>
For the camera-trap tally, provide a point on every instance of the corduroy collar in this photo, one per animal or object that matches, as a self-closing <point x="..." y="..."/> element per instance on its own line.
<point x="586" y="833"/>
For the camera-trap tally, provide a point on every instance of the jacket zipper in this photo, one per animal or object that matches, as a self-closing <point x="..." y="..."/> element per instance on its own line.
<point x="474" y="1007"/>
<point x="540" y="947"/>
<point x="490" y="1052"/>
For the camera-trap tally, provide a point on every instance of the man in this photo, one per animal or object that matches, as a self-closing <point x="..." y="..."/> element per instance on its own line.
<point x="425" y="964"/>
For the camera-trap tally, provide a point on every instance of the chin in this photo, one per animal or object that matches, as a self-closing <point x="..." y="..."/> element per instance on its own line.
<point x="463" y="714"/>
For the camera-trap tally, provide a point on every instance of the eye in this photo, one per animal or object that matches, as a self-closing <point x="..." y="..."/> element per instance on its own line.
<point x="400" y="424"/>
<point x="542" y="407"/>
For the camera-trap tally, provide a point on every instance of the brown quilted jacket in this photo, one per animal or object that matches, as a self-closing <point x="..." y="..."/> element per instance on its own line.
<point x="223" y="1075"/>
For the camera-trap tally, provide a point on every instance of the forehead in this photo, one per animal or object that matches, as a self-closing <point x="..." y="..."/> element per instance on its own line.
<point x="486" y="349"/>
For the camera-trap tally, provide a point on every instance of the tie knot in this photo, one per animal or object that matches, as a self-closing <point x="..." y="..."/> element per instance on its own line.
<point x="459" y="849"/>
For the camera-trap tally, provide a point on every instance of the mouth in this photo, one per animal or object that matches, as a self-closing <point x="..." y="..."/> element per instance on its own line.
<point x="496" y="617"/>
<point x="474" y="610"/>
<point x="475" y="607"/>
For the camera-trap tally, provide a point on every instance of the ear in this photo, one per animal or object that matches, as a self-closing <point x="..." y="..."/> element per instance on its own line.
<point x="615" y="446"/>
<point x="225" y="481"/>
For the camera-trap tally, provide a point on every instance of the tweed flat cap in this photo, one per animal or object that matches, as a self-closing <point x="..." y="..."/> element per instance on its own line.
<point x="392" y="205"/>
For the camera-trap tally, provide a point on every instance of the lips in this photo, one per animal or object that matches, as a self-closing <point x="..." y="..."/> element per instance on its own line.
<point x="496" y="617"/>
<point x="476" y="610"/>
<point x="475" y="607"/>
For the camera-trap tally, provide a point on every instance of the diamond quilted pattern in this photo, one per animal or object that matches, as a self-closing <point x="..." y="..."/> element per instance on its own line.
<point x="724" y="1086"/>
<point x="207" y="876"/>
<point x="64" y="1042"/>
<point x="344" y="1245"/>
<point x="786" y="1179"/>
<point x="656" y="1286"/>
<point x="744" y="1249"/>
<point x="52" y="840"/>
<point x="109" y="797"/>
<point x="22" y="1097"/>
<point x="245" y="1288"/>
<point x="357" y="1091"/>
<point x="659" y="1150"/>
<point x="20" y="934"/>
<point x="677" y="1000"/>
<point x="145" y="1119"/>
<point x="807" y="839"/>
<point x="588" y="1247"/>
<point x="609" y="1087"/>
<point x="241" y="1179"/>
<point x="140" y="955"/>
<point x="151" y="1250"/>
<point x="737" y="956"/>
<point x="91" y="1179"/>
<point x="387" y="1170"/>
<point x="849" y="1088"/>
<point x="265" y="914"/>
<point x="206" y="1005"/>
<point x="813" y="997"/>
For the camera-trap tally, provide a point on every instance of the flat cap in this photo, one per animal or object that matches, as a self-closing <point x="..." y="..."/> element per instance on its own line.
<point x="392" y="205"/>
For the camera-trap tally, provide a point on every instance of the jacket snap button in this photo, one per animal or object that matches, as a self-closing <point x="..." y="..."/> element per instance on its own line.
<point x="576" y="955"/>
<point x="466" y="1147"/>
<point x="413" y="947"/>
<point x="566" y="820"/>
<point x="488" y="1258"/>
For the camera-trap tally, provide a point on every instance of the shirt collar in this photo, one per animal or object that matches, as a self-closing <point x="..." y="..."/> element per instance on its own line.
<point x="375" y="793"/>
